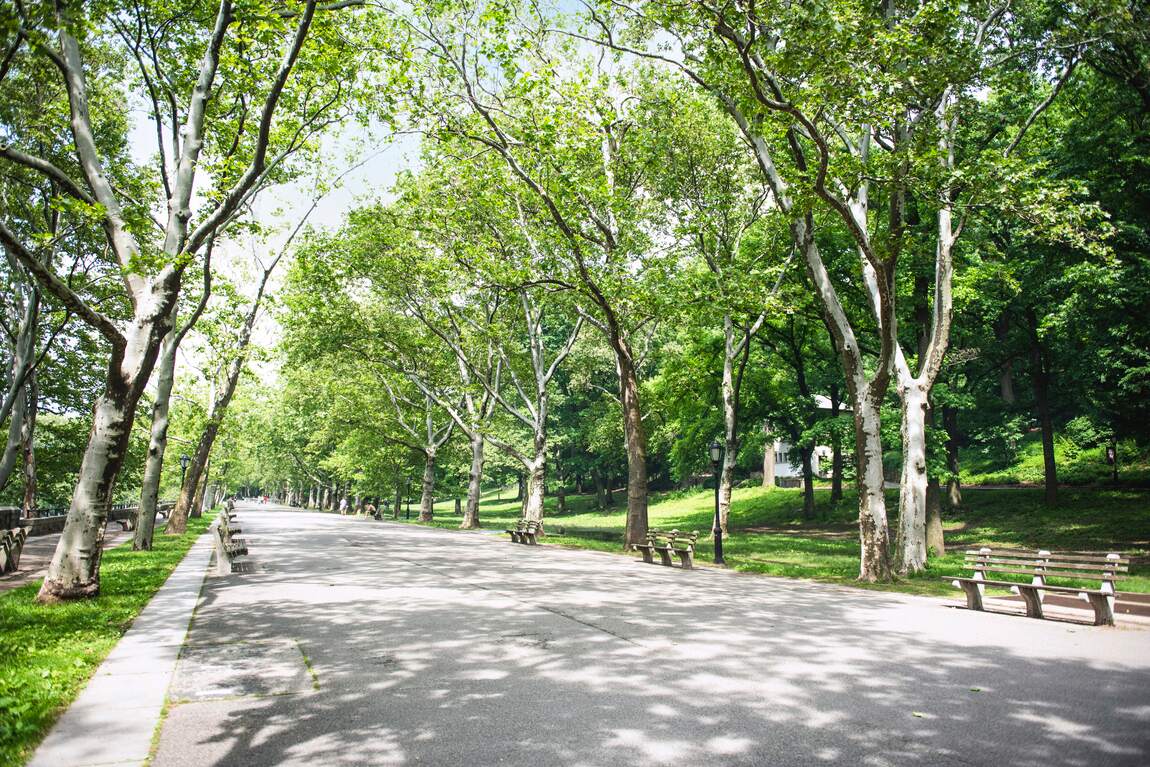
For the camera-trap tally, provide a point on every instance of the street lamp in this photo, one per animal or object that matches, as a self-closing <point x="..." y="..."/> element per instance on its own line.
<point x="184" y="461"/>
<point x="716" y="451"/>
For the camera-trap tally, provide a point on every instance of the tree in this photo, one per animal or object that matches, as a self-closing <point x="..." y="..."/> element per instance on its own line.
<point x="581" y="154"/>
<point x="246" y="149"/>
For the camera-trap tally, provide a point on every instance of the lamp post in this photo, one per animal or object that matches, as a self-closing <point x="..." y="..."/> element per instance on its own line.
<point x="184" y="461"/>
<point x="716" y="451"/>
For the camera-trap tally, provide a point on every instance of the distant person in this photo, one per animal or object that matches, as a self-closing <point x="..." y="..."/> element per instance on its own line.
<point x="343" y="505"/>
<point x="369" y="510"/>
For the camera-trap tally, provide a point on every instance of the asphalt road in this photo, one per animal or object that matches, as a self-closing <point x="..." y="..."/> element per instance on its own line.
<point x="356" y="642"/>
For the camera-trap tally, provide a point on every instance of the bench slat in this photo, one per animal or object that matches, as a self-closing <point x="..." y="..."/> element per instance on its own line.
<point x="1058" y="555"/>
<point x="1052" y="562"/>
<point x="1051" y="573"/>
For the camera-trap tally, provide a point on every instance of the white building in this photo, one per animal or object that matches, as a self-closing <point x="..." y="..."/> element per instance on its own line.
<point x="789" y="461"/>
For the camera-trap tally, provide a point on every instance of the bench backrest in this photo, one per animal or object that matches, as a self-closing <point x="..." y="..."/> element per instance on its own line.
<point x="1042" y="565"/>
<point x="656" y="537"/>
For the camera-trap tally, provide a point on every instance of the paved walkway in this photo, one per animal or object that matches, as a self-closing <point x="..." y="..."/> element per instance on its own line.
<point x="113" y="721"/>
<point x="357" y="642"/>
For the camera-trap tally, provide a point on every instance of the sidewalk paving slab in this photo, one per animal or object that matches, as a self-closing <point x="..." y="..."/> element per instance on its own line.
<point x="112" y="721"/>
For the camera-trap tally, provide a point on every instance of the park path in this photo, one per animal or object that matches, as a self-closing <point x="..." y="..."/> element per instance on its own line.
<point x="356" y="642"/>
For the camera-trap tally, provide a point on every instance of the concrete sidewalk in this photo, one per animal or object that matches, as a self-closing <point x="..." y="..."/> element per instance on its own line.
<point x="112" y="722"/>
<point x="357" y="642"/>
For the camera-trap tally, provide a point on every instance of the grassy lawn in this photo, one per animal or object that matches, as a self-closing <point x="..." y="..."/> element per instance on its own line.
<point x="768" y="535"/>
<point x="48" y="652"/>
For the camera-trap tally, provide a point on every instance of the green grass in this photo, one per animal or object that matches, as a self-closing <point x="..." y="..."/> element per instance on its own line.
<point x="48" y="652"/>
<point x="827" y="549"/>
<point x="1076" y="466"/>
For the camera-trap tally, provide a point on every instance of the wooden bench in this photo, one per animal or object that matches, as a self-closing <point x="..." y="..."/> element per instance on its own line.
<point x="525" y="531"/>
<point x="228" y="547"/>
<point x="667" y="543"/>
<point x="11" y="547"/>
<point x="1042" y="565"/>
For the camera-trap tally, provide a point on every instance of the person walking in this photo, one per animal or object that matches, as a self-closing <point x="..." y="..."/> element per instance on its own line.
<point x="343" y="505"/>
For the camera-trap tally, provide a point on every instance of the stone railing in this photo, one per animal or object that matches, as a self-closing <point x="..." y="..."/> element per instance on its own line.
<point x="51" y="520"/>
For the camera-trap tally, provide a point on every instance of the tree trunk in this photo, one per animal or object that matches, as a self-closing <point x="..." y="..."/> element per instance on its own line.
<point x="726" y="477"/>
<point x="836" y="451"/>
<point x="157" y="443"/>
<point x="806" y="452"/>
<point x="474" y="484"/>
<point x="874" y="535"/>
<point x="935" y="538"/>
<point x="1006" y="371"/>
<point x="178" y="521"/>
<point x="911" y="543"/>
<point x="198" y="501"/>
<point x="13" y="443"/>
<point x="398" y="501"/>
<point x="600" y="488"/>
<point x="427" y="498"/>
<point x="768" y="460"/>
<point x="520" y="486"/>
<point x="953" y="488"/>
<point x="74" y="572"/>
<point x="1040" y="376"/>
<point x="536" y="488"/>
<point x="636" y="439"/>
<point x="561" y="497"/>
<point x="28" y="443"/>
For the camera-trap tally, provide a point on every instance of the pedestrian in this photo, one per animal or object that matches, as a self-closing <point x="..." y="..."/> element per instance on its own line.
<point x="369" y="509"/>
<point x="343" y="505"/>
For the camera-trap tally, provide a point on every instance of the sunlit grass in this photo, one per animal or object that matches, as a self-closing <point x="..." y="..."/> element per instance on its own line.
<point x="768" y="534"/>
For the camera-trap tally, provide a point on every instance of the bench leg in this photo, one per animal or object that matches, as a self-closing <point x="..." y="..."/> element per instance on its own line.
<point x="530" y="539"/>
<point x="1103" y="609"/>
<point x="514" y="537"/>
<point x="1033" y="600"/>
<point x="973" y="594"/>
<point x="646" y="555"/>
<point x="687" y="559"/>
<point x="666" y="557"/>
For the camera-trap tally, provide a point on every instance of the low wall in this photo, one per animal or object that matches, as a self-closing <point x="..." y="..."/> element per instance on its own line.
<point x="49" y="521"/>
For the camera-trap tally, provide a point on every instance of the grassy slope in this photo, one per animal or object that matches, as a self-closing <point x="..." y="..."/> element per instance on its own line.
<point x="1075" y="466"/>
<point x="828" y="549"/>
<point x="47" y="653"/>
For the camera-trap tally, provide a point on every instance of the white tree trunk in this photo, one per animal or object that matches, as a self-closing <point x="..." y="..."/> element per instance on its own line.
<point x="74" y="571"/>
<point x="536" y="488"/>
<point x="474" y="483"/>
<point x="157" y="444"/>
<point x="911" y="540"/>
<point x="874" y="535"/>
<point x="769" y="461"/>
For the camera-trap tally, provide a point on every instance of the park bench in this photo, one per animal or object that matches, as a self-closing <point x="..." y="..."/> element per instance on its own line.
<point x="228" y="547"/>
<point x="525" y="531"/>
<point x="667" y="543"/>
<point x="1042" y="565"/>
<point x="11" y="546"/>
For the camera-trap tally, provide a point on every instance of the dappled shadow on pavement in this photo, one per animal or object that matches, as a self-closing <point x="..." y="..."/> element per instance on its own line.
<point x="441" y="648"/>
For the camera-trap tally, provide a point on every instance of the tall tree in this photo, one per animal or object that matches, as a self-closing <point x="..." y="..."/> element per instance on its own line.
<point x="246" y="148"/>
